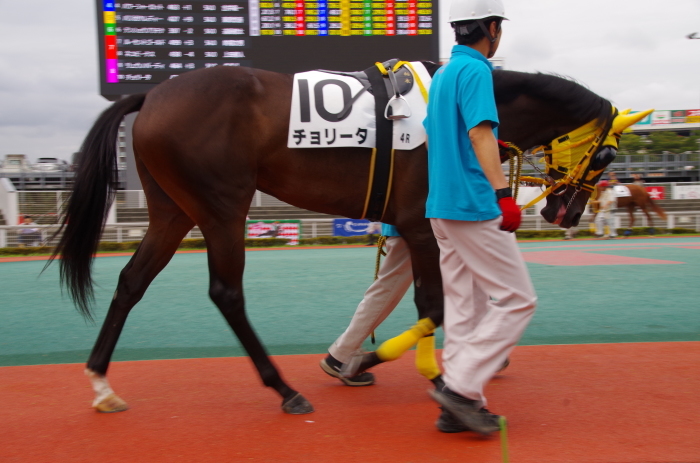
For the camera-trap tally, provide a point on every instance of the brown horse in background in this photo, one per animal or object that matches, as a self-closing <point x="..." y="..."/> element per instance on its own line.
<point x="207" y="140"/>
<point x="639" y="198"/>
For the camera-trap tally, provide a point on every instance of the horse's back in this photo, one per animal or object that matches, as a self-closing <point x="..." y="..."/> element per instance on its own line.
<point x="221" y="107"/>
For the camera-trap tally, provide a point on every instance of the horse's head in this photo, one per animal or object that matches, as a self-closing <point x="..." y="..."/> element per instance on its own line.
<point x="577" y="129"/>
<point x="566" y="203"/>
<point x="575" y="163"/>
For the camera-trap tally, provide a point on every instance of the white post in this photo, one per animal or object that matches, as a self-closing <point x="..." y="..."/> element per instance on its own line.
<point x="671" y="221"/>
<point x="3" y="238"/>
<point x="112" y="214"/>
<point x="8" y="202"/>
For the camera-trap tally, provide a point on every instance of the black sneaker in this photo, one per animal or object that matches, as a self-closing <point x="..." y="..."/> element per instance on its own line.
<point x="438" y="382"/>
<point x="467" y="412"/>
<point x="504" y="366"/>
<point x="332" y="368"/>
<point x="448" y="423"/>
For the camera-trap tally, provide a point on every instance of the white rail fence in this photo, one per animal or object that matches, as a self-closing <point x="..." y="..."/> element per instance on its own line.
<point x="35" y="235"/>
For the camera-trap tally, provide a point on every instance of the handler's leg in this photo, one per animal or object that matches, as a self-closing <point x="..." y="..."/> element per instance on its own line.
<point x="478" y="341"/>
<point x="600" y="224"/>
<point x="478" y="259"/>
<point x="394" y="278"/>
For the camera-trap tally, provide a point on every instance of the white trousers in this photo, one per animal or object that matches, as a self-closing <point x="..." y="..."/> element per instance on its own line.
<point x="603" y="219"/>
<point x="394" y="278"/>
<point x="489" y="301"/>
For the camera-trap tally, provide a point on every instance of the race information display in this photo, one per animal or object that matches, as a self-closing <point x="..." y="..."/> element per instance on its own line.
<point x="147" y="42"/>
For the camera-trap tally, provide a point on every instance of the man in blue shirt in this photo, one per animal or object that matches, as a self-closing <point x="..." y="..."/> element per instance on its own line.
<point x="489" y="298"/>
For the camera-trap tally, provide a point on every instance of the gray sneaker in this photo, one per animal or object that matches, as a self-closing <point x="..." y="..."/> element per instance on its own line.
<point x="465" y="411"/>
<point x="332" y="367"/>
<point x="448" y="423"/>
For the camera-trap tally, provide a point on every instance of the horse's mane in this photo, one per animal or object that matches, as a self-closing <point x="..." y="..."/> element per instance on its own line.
<point x="573" y="97"/>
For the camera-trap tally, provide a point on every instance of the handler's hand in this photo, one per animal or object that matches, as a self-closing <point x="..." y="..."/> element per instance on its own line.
<point x="511" y="214"/>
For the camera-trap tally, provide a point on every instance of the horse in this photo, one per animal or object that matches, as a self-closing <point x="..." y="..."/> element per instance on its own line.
<point x="206" y="140"/>
<point x="639" y="198"/>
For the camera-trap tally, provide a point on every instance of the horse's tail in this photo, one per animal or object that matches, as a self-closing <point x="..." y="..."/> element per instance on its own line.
<point x="660" y="212"/>
<point x="86" y="212"/>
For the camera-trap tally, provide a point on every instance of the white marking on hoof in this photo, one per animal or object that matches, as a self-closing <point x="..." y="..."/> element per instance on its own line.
<point x="106" y="401"/>
<point x="111" y="404"/>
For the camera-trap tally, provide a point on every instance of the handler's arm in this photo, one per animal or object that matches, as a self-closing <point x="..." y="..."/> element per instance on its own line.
<point x="486" y="149"/>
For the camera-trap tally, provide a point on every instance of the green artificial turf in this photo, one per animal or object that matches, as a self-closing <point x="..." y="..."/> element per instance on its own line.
<point x="299" y="301"/>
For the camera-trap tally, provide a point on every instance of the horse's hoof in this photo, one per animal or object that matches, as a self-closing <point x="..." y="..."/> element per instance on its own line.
<point x="111" y="404"/>
<point x="297" y="405"/>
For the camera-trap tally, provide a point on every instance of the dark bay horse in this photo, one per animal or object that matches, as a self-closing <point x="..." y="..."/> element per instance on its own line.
<point x="639" y="198"/>
<point x="205" y="141"/>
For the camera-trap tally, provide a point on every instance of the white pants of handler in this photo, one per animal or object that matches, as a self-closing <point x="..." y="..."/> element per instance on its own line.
<point x="394" y="278"/>
<point x="603" y="219"/>
<point x="478" y="260"/>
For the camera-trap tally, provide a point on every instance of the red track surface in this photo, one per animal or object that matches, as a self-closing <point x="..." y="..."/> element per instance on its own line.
<point x="578" y="403"/>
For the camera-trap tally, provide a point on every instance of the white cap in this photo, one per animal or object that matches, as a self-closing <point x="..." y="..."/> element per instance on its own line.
<point x="470" y="10"/>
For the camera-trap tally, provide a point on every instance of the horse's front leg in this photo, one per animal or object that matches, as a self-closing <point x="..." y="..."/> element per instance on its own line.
<point x="425" y="256"/>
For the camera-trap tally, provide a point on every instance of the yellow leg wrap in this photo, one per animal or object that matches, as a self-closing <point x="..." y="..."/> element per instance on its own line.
<point x="395" y="347"/>
<point x="607" y="230"/>
<point x="425" y="358"/>
<point x="591" y="227"/>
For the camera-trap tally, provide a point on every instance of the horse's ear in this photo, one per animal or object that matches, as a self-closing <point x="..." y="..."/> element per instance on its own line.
<point x="625" y="119"/>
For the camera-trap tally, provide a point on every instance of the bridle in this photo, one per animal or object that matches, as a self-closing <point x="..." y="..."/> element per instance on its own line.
<point x="571" y="156"/>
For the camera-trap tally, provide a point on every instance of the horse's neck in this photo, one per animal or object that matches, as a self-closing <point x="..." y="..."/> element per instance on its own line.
<point x="528" y="122"/>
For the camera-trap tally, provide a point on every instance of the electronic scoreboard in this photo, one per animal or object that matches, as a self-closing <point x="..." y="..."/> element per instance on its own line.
<point x="143" y="43"/>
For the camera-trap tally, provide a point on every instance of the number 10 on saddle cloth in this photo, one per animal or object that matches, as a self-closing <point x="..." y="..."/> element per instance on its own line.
<point x="336" y="110"/>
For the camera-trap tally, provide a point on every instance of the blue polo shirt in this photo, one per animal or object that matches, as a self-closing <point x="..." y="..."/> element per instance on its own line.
<point x="461" y="97"/>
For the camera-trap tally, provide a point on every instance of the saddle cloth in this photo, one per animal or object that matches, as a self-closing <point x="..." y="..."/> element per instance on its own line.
<point x="621" y="191"/>
<point x="320" y="117"/>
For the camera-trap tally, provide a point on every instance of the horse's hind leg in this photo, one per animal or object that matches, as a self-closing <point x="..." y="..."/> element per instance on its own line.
<point x="168" y="225"/>
<point x="652" y="230"/>
<point x="226" y="254"/>
<point x="630" y="211"/>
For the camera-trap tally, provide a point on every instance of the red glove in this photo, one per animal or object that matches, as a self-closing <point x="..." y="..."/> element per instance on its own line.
<point x="511" y="214"/>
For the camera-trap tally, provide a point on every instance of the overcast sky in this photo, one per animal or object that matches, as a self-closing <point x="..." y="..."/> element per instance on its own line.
<point x="633" y="52"/>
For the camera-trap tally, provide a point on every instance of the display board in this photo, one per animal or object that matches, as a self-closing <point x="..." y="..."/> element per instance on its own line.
<point x="143" y="43"/>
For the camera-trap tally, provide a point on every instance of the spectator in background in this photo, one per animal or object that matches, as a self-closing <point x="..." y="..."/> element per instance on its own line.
<point x="29" y="236"/>
<point x="637" y="179"/>
<point x="612" y="179"/>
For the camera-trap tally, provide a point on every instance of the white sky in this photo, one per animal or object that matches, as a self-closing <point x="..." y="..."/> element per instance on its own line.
<point x="633" y="52"/>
